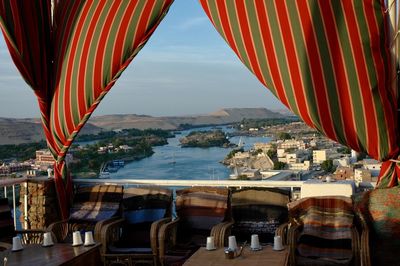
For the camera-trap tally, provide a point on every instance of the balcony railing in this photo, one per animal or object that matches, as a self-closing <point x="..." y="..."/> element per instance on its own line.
<point x="14" y="184"/>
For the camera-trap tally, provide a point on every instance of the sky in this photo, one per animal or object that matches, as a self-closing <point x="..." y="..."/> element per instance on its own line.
<point x="185" y="68"/>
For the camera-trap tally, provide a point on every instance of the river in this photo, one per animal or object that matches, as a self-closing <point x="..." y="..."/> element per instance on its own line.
<point x="173" y="162"/>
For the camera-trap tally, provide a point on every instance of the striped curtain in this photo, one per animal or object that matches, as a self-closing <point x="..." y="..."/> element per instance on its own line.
<point x="327" y="60"/>
<point x="72" y="57"/>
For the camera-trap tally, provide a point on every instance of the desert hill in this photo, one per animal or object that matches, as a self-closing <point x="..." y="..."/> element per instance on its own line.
<point x="26" y="130"/>
<point x="15" y="131"/>
<point x="223" y="116"/>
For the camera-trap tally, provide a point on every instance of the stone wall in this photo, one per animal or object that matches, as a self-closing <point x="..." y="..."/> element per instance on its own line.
<point x="42" y="203"/>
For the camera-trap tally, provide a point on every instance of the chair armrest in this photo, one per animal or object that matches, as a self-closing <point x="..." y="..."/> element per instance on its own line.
<point x="365" y="255"/>
<point x="283" y="231"/>
<point x="59" y="230"/>
<point x="5" y="246"/>
<point x="31" y="236"/>
<point x="99" y="225"/>
<point x="167" y="232"/>
<point x="155" y="228"/>
<point x="221" y="232"/>
<point x="355" y="242"/>
<point x="292" y="242"/>
<point x="110" y="233"/>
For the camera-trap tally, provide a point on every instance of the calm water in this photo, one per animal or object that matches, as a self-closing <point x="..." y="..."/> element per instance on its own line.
<point x="173" y="162"/>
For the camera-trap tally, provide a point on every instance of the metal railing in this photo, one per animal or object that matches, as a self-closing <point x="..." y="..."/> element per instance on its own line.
<point x="198" y="183"/>
<point x="193" y="183"/>
<point x="11" y="183"/>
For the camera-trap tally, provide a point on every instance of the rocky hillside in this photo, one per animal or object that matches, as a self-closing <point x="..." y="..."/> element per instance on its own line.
<point x="223" y="116"/>
<point x="17" y="131"/>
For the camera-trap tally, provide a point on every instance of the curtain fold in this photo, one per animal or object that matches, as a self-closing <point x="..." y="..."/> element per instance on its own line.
<point x="328" y="61"/>
<point x="71" y="60"/>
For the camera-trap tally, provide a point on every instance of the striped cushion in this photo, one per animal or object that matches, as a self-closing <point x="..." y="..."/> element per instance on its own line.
<point x="380" y="208"/>
<point x="325" y="217"/>
<point x="327" y="225"/>
<point x="202" y="208"/>
<point x="6" y="221"/>
<point x="260" y="196"/>
<point x="258" y="211"/>
<point x="96" y="203"/>
<point x="146" y="204"/>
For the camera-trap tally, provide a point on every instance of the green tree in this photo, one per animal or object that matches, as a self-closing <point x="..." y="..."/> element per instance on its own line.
<point x="284" y="135"/>
<point x="344" y="150"/>
<point x="279" y="165"/>
<point x="271" y="153"/>
<point x="258" y="151"/>
<point x="233" y="152"/>
<point x="328" y="166"/>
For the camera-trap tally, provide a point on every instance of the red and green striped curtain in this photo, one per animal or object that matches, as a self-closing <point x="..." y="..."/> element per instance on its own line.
<point x="328" y="61"/>
<point x="71" y="60"/>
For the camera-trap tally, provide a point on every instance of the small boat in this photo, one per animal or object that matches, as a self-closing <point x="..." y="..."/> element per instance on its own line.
<point x="104" y="175"/>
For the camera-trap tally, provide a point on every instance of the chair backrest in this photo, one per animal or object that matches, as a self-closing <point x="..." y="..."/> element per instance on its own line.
<point x="146" y="204"/>
<point x="327" y="227"/>
<point x="7" y="231"/>
<point x="141" y="207"/>
<point x="258" y="211"/>
<point x="96" y="203"/>
<point x="202" y="207"/>
<point x="380" y="209"/>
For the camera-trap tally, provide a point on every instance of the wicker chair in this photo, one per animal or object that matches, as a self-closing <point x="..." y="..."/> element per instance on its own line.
<point x="256" y="211"/>
<point x="379" y="213"/>
<point x="202" y="212"/>
<point x="132" y="240"/>
<point x="323" y="232"/>
<point x="93" y="207"/>
<point x="7" y="230"/>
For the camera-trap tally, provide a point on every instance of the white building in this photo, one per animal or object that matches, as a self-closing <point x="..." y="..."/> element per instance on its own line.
<point x="344" y="161"/>
<point x="362" y="175"/>
<point x="292" y="144"/>
<point x="265" y="147"/>
<point x="295" y="157"/>
<point x="280" y="153"/>
<point x="242" y="155"/>
<point x="320" y="156"/>
<point x="372" y="165"/>
<point x="300" y="166"/>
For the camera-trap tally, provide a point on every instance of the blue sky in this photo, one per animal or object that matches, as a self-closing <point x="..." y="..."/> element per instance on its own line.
<point x="185" y="68"/>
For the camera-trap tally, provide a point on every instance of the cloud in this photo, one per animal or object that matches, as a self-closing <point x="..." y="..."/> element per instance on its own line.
<point x="193" y="22"/>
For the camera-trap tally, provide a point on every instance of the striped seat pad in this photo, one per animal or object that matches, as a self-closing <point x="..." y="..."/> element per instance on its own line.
<point x="6" y="221"/>
<point x="202" y="208"/>
<point x="264" y="196"/>
<point x="96" y="203"/>
<point x="324" y="217"/>
<point x="146" y="204"/>
<point x="312" y="247"/>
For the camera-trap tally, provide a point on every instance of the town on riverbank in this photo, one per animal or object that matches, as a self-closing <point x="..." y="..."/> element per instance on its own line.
<point x="295" y="152"/>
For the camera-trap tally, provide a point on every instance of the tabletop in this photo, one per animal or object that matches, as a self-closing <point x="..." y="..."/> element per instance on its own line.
<point x="266" y="256"/>
<point x="58" y="254"/>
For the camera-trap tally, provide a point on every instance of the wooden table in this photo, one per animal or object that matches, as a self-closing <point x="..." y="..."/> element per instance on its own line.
<point x="266" y="256"/>
<point x="59" y="254"/>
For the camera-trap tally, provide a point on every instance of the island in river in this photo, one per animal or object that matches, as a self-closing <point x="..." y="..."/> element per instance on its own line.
<point x="206" y="139"/>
